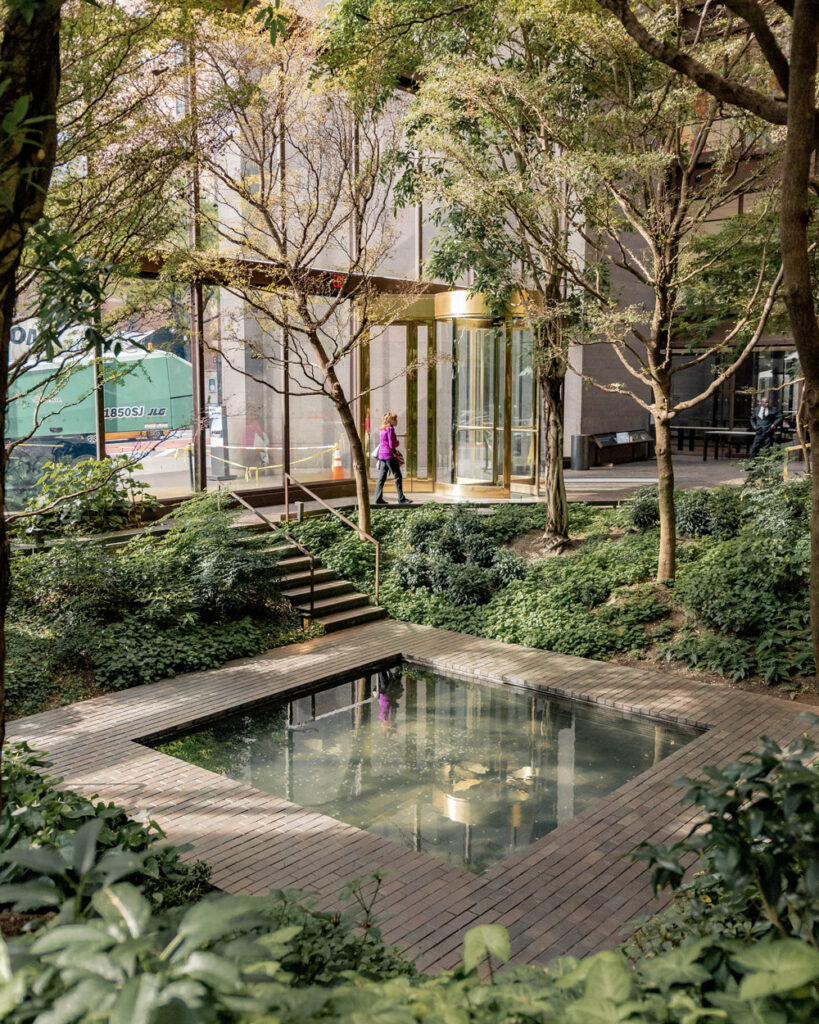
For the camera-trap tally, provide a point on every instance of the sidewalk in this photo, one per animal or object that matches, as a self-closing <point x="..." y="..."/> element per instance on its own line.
<point x="603" y="484"/>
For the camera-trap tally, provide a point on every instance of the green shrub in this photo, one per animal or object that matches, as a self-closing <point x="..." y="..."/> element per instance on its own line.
<point x="731" y="656"/>
<point x="38" y="813"/>
<point x="106" y="498"/>
<point x="745" y="584"/>
<point x="780" y="507"/>
<point x="756" y="836"/>
<point x="413" y="570"/>
<point x="423" y="527"/>
<point x="201" y="570"/>
<point x="643" y="509"/>
<point x="479" y="550"/>
<point x="132" y="653"/>
<point x="77" y="576"/>
<point x="507" y="567"/>
<point x="709" y="513"/>
<point x="468" y="585"/>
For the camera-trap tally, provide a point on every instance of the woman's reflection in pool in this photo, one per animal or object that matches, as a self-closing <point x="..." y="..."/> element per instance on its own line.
<point x="390" y="691"/>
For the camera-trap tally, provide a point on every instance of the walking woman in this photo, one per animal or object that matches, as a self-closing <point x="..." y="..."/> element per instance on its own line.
<point x="389" y="460"/>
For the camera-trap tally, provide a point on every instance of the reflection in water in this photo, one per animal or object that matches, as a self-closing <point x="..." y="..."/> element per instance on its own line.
<point x="469" y="772"/>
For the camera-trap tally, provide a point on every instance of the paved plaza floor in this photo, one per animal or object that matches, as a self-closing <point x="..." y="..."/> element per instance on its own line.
<point x="570" y="893"/>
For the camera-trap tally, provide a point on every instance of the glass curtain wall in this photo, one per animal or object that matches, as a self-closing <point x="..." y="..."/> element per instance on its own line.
<point x="399" y="376"/>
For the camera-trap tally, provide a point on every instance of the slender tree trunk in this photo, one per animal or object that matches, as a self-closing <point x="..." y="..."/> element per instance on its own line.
<point x="794" y="219"/>
<point x="556" y="532"/>
<point x="667" y="561"/>
<point x="29" y="68"/>
<point x="362" y="485"/>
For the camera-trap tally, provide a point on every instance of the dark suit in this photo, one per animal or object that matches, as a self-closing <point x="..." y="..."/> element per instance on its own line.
<point x="764" y="422"/>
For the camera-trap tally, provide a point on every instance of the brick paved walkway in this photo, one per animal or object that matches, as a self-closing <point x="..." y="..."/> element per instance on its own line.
<point x="570" y="893"/>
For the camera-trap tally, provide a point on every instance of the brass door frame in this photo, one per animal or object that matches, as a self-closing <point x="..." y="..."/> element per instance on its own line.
<point x="411" y="400"/>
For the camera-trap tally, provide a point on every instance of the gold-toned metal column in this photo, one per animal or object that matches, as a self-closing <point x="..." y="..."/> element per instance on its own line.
<point x="506" y="337"/>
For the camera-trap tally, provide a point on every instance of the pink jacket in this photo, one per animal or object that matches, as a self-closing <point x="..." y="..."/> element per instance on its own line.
<point x="388" y="443"/>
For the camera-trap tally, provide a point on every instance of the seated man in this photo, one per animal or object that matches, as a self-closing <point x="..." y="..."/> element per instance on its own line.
<point x="764" y="420"/>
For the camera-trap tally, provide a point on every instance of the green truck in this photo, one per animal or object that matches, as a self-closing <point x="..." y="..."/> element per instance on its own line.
<point x="148" y="395"/>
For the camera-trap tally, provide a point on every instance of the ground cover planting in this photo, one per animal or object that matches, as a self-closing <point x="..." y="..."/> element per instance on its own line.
<point x="84" y="618"/>
<point x="738" y="607"/>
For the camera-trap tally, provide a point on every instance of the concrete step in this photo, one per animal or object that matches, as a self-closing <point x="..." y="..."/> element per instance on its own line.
<point x="301" y="593"/>
<point x="301" y="578"/>
<point x="330" y="605"/>
<point x="294" y="563"/>
<point x="352" y="617"/>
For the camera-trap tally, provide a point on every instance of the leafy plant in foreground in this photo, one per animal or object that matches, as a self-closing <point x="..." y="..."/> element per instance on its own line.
<point x="758" y="836"/>
<point x="108" y="497"/>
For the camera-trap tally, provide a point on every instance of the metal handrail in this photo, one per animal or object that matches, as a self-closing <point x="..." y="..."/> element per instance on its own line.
<point x="278" y="529"/>
<point x="288" y="479"/>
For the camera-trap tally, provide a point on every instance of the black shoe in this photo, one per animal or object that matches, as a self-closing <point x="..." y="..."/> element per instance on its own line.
<point x="404" y="501"/>
<point x="382" y="502"/>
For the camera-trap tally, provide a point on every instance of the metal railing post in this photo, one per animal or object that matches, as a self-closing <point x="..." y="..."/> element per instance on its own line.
<point x="377" y="568"/>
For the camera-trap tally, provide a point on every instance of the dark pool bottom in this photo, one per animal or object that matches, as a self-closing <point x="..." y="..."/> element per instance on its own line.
<point x="470" y="772"/>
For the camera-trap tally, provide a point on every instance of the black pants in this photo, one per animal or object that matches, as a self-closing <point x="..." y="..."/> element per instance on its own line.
<point x="384" y="467"/>
<point x="762" y="439"/>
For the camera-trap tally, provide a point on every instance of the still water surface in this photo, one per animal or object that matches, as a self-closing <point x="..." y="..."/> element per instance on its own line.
<point x="465" y="771"/>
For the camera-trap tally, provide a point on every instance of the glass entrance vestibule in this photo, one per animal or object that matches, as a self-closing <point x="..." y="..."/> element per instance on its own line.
<point x="464" y="386"/>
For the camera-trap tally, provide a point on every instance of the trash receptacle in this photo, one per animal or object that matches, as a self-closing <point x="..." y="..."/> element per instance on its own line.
<point x="580" y="452"/>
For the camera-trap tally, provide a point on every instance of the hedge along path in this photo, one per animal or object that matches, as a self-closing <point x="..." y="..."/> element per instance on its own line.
<point x="570" y="893"/>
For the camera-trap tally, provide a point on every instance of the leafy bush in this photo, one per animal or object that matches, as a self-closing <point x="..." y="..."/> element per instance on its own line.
<point x="643" y="509"/>
<point x="228" y="960"/>
<point x="507" y="567"/>
<point x="199" y="595"/>
<point x="413" y="570"/>
<point x="468" y="585"/>
<point x="731" y="656"/>
<point x="479" y="550"/>
<point x="132" y="653"/>
<point x="781" y="507"/>
<point x="38" y="816"/>
<point x="107" y="498"/>
<point x="757" y="836"/>
<point x="746" y="583"/>
<point x="709" y="513"/>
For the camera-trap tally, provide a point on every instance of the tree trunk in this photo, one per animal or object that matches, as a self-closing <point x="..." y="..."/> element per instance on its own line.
<point x="30" y="62"/>
<point x="794" y="219"/>
<point x="362" y="485"/>
<point x="667" y="561"/>
<point x="556" y="532"/>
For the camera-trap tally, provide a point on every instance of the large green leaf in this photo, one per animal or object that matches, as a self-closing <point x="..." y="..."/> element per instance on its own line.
<point x="36" y="858"/>
<point x="73" y="936"/>
<point x="32" y="895"/>
<point x="136" y="1001"/>
<point x="777" y="967"/>
<point x="77" y="1002"/>
<point x="85" y="845"/>
<point x="599" y="1011"/>
<point x="124" y="905"/>
<point x="209" y="920"/>
<point x="608" y="978"/>
<point x="485" y="940"/>
<point x="677" y="967"/>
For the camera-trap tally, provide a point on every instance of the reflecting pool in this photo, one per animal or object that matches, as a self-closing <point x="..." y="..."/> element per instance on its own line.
<point x="466" y="771"/>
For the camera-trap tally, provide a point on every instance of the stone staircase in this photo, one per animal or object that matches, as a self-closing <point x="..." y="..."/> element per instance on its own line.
<point x="337" y="604"/>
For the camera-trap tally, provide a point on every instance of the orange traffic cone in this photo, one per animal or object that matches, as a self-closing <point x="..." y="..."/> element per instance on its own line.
<point x="338" y="469"/>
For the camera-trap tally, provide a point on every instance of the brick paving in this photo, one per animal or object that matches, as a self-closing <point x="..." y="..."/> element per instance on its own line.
<point x="570" y="893"/>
